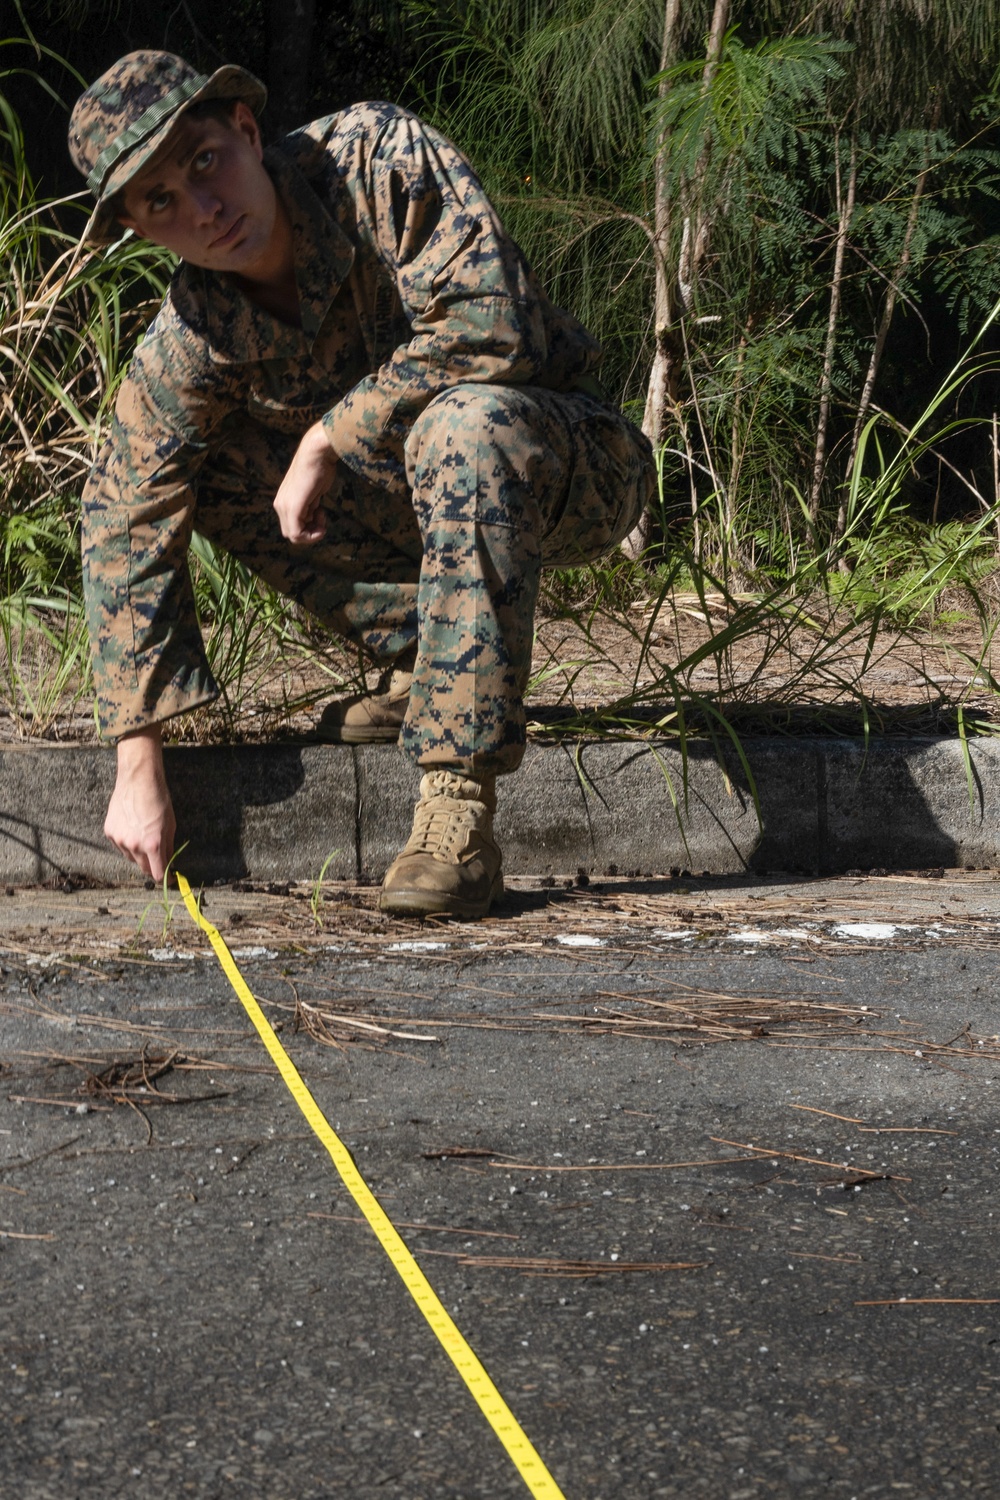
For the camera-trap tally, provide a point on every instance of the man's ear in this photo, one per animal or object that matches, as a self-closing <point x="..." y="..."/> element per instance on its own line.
<point x="245" y="121"/>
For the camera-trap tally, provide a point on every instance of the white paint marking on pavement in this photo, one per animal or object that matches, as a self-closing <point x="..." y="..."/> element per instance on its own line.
<point x="417" y="947"/>
<point x="867" y="931"/>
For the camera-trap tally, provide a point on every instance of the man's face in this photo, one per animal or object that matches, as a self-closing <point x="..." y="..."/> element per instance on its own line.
<point x="207" y="196"/>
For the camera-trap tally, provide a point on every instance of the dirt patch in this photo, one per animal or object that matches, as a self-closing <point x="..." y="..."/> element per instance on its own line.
<point x="575" y="917"/>
<point x="643" y="667"/>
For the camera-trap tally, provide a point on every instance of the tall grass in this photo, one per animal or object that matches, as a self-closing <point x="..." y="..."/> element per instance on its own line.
<point x="786" y="488"/>
<point x="766" y="256"/>
<point x="68" y="320"/>
<point x="67" y="315"/>
<point x="809" y="637"/>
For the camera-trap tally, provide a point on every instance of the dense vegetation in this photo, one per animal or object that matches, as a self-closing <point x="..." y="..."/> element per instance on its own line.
<point x="782" y="218"/>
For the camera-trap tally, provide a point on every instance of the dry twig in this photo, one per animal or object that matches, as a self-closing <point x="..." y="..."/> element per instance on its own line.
<point x="540" y="1265"/>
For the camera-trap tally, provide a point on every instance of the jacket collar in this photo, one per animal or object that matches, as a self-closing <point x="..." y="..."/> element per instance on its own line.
<point x="241" y="332"/>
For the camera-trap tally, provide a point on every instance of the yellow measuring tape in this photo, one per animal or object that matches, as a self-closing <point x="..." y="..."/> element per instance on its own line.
<point x="489" y="1400"/>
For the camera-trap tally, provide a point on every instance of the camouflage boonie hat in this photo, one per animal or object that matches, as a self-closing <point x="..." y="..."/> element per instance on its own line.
<point x="129" y="113"/>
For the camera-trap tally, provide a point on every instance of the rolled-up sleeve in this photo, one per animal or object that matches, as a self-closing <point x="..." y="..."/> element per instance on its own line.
<point x="473" y="306"/>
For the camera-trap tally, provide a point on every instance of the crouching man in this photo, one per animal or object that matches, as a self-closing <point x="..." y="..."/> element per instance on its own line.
<point x="356" y="386"/>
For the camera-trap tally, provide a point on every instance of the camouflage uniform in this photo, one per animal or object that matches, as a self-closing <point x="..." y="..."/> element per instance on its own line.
<point x="474" y="445"/>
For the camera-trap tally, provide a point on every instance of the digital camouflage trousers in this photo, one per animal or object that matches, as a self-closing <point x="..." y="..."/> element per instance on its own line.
<point x="504" y="480"/>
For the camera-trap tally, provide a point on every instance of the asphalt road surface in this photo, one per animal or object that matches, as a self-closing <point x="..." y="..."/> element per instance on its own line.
<point x="705" y="1172"/>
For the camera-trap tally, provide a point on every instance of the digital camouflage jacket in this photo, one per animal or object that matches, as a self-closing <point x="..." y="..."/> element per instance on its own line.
<point x="408" y="285"/>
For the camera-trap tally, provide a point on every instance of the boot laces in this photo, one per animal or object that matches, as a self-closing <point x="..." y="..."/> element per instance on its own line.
<point x="442" y="824"/>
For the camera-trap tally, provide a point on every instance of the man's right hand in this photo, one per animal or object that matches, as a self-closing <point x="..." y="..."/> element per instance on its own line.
<point x="140" y="820"/>
<point x="311" y="474"/>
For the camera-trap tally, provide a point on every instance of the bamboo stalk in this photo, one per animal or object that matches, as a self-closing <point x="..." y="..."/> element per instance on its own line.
<point x="662" y="375"/>
<point x="846" y="214"/>
<point x="888" y="308"/>
<point x="996" y="478"/>
<point x="697" y="224"/>
<point x="665" y="356"/>
<point x="735" y="457"/>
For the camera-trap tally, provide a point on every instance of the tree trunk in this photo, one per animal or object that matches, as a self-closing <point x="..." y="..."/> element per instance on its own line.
<point x="668" y="353"/>
<point x="735" y="455"/>
<point x="846" y="213"/>
<point x="290" y="25"/>
<point x="881" y="335"/>
<point x="698" y="224"/>
<point x="663" y="374"/>
<point x="665" y="356"/>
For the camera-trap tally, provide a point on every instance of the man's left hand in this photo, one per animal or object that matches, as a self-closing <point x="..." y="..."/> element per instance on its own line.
<point x="300" y="495"/>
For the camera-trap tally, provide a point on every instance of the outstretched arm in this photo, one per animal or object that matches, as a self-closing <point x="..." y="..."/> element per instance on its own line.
<point x="140" y="820"/>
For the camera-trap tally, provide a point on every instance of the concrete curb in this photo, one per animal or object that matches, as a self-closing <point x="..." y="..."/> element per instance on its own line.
<point x="278" y="812"/>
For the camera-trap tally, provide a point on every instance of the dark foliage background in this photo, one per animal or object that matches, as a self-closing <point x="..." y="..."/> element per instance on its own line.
<point x="782" y="218"/>
<point x="314" y="56"/>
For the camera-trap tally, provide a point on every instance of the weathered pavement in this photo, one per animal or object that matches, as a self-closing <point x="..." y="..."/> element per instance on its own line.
<point x="201" y="1313"/>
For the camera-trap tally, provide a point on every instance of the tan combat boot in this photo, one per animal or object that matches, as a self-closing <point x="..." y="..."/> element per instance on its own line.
<point x="368" y="718"/>
<point x="450" y="865"/>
